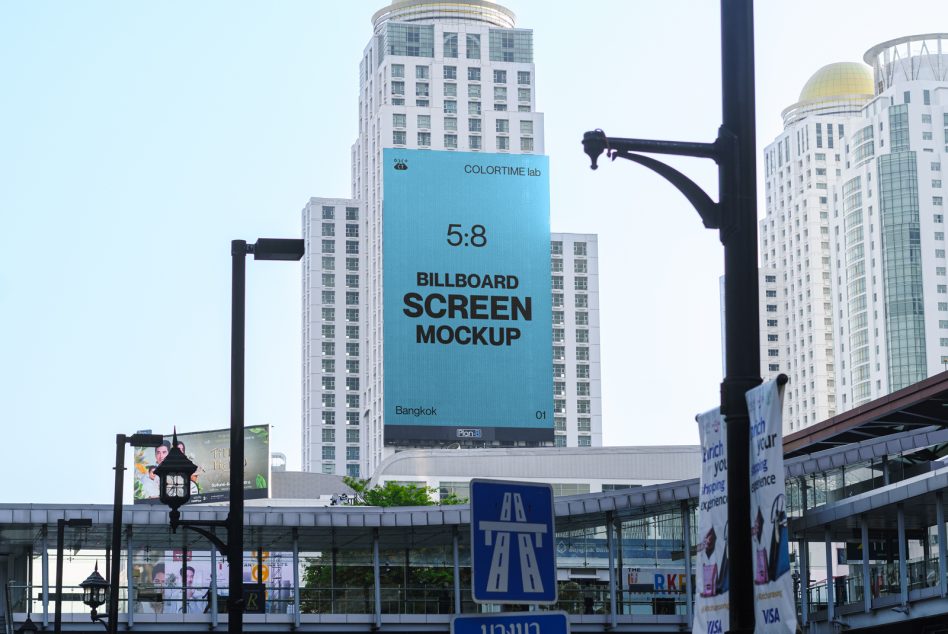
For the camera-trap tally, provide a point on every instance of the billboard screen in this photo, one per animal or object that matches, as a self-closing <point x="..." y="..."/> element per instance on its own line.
<point x="210" y="451"/>
<point x="467" y="300"/>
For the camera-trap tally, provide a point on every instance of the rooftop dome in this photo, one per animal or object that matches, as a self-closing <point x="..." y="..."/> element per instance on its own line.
<point x="838" y="80"/>
<point x="836" y="89"/>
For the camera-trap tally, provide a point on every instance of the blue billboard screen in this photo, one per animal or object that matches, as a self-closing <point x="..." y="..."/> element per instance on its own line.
<point x="467" y="301"/>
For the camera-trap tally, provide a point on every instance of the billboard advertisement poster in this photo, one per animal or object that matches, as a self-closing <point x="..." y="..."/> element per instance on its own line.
<point x="712" y="600"/>
<point x="210" y="451"/>
<point x="467" y="301"/>
<point x="773" y="584"/>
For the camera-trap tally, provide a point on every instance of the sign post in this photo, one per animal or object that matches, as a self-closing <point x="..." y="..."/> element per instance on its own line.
<point x="513" y="557"/>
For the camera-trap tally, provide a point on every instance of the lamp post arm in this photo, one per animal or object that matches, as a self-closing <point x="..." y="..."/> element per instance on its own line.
<point x="709" y="210"/>
<point x="210" y="535"/>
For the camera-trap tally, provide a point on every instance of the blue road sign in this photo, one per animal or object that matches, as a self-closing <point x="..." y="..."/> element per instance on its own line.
<point x="508" y="622"/>
<point x="513" y="550"/>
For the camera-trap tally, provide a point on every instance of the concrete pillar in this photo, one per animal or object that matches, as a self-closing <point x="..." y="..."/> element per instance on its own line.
<point x="830" y="590"/>
<point x="130" y="583"/>
<point x="457" y="570"/>
<point x="296" y="577"/>
<point x="611" y="543"/>
<point x="686" y="535"/>
<point x="866" y="579"/>
<point x="45" y="537"/>
<point x="903" y="554"/>
<point x="378" y="578"/>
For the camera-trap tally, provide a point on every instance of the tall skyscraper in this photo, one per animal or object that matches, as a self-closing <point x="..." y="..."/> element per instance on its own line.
<point x="854" y="300"/>
<point x="446" y="77"/>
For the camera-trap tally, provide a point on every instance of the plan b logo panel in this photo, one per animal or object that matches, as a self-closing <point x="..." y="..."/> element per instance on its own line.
<point x="513" y="554"/>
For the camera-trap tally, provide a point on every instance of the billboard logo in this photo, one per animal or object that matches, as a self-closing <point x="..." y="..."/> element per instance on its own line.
<point x="401" y="164"/>
<point x="469" y="433"/>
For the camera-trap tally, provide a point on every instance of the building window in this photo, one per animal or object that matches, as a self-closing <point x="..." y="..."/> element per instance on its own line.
<point x="473" y="73"/>
<point x="352" y="332"/>
<point x="559" y="371"/>
<point x="523" y="77"/>
<point x="559" y="441"/>
<point x="352" y="213"/>
<point x="474" y="108"/>
<point x="329" y="263"/>
<point x="584" y="441"/>
<point x="352" y="247"/>
<point x="503" y="143"/>
<point x="474" y="142"/>
<point x="526" y="127"/>
<point x="398" y="70"/>
<point x="582" y="389"/>
<point x="581" y="301"/>
<point x="582" y="353"/>
<point x="329" y="365"/>
<point x="582" y="318"/>
<point x="352" y="470"/>
<point x="399" y="137"/>
<point x="421" y="89"/>
<point x="450" y="89"/>
<point x="329" y="452"/>
<point x="328" y="348"/>
<point x="329" y="418"/>
<point x="500" y="93"/>
<point x="450" y="44"/>
<point x="424" y="121"/>
<point x="352" y="314"/>
<point x="329" y="314"/>
<point x="352" y="435"/>
<point x="329" y="213"/>
<point x="352" y="281"/>
<point x="580" y="284"/>
<point x="579" y="249"/>
<point x="556" y="248"/>
<point x="328" y="297"/>
<point x="352" y="367"/>
<point x="450" y="106"/>
<point x="450" y="123"/>
<point x="502" y="126"/>
<point x="450" y="140"/>
<point x="329" y="435"/>
<point x="473" y="48"/>
<point x="352" y="298"/>
<point x="473" y="125"/>
<point x="773" y="367"/>
<point x="352" y="418"/>
<point x="329" y="400"/>
<point x="398" y="88"/>
<point x="329" y="382"/>
<point x="424" y="139"/>
<point x="500" y="77"/>
<point x="450" y="72"/>
<point x="523" y="94"/>
<point x="526" y="144"/>
<point x="352" y="401"/>
<point x="352" y="264"/>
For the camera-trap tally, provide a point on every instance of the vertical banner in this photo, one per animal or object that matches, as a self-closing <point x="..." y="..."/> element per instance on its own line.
<point x="773" y="586"/>
<point x="712" y="599"/>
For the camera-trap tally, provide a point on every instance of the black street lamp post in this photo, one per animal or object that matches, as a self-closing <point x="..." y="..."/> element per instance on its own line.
<point x="174" y="495"/>
<point x="135" y="440"/>
<point x="735" y="215"/>
<point x="61" y="525"/>
<point x="94" y="589"/>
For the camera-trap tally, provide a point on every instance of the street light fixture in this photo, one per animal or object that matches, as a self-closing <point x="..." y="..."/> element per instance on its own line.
<point x="94" y="589"/>
<point x="175" y="487"/>
<point x="174" y="477"/>
<point x="735" y="215"/>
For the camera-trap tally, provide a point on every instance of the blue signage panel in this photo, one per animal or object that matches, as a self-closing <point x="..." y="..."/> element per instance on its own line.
<point x="520" y="622"/>
<point x="513" y="550"/>
<point x="467" y="301"/>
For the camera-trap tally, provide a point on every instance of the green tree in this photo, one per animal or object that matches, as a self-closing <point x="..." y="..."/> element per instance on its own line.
<point x="394" y="494"/>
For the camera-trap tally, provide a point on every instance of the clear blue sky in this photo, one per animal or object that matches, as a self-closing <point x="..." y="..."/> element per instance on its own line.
<point x="137" y="139"/>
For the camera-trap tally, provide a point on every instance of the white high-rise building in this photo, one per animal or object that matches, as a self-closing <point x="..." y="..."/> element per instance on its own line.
<point x="854" y="302"/>
<point x="450" y="77"/>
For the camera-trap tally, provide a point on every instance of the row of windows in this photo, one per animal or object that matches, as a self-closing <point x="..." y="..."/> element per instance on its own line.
<point x="329" y="331"/>
<point x="329" y="418"/>
<point x="329" y="453"/>
<point x="450" y="89"/>
<point x="579" y="301"/>
<point x="329" y="280"/>
<point x="474" y="142"/>
<point x="352" y="383"/>
<point x="451" y="73"/>
<point x="329" y="246"/>
<point x="559" y="371"/>
<point x="329" y="366"/>
<point x="352" y="470"/>
<point x="582" y="406"/>
<point x="582" y="424"/>
<point x="559" y="389"/>
<point x="329" y="400"/>
<point x="329" y="297"/>
<point x="329" y="314"/>
<point x="329" y="230"/>
<point x="559" y="335"/>
<point x="423" y="121"/>
<point x="579" y="266"/>
<point x="329" y="349"/>
<point x="352" y="434"/>
<point x="579" y="283"/>
<point x="556" y="248"/>
<point x="329" y="213"/>
<point x="559" y="353"/>
<point x="581" y="317"/>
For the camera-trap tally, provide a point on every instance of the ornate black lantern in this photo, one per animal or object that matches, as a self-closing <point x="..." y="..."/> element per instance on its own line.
<point x="94" y="590"/>
<point x="174" y="476"/>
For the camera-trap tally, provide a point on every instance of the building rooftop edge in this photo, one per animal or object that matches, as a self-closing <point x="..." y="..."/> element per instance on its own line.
<point x="873" y="52"/>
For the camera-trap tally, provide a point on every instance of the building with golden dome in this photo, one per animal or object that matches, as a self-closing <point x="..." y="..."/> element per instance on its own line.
<point x="853" y="266"/>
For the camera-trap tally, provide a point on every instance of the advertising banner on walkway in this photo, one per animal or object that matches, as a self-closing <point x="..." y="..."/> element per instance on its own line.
<point x="712" y="598"/>
<point x="210" y="451"/>
<point x="467" y="302"/>
<point x="773" y="585"/>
